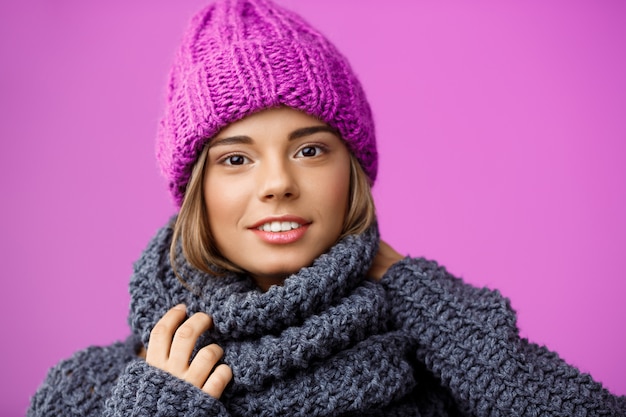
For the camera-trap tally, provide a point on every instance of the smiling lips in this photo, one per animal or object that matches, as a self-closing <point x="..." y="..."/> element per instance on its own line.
<point x="283" y="230"/>
<point x="277" y="226"/>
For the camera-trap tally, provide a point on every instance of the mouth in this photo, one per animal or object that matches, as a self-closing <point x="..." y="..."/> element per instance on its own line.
<point x="278" y="226"/>
<point x="281" y="230"/>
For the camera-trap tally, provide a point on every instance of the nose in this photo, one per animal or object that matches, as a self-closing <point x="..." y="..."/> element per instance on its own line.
<point x="277" y="181"/>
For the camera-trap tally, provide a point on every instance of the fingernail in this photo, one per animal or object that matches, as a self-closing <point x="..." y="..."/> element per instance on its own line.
<point x="181" y="307"/>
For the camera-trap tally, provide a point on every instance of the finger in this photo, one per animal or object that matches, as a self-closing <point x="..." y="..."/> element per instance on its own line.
<point x="217" y="382"/>
<point x="161" y="336"/>
<point x="184" y="341"/>
<point x="202" y="364"/>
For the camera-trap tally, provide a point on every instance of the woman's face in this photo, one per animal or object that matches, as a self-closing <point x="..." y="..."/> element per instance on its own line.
<point x="276" y="189"/>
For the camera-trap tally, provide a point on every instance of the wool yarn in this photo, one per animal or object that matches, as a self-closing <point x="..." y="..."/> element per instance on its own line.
<point x="329" y="342"/>
<point x="241" y="56"/>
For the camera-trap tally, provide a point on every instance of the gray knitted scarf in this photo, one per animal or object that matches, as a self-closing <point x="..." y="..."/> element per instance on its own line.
<point x="319" y="341"/>
<point x="329" y="342"/>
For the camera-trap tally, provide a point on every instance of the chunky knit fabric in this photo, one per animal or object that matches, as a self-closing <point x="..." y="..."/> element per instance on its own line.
<point x="329" y="342"/>
<point x="242" y="56"/>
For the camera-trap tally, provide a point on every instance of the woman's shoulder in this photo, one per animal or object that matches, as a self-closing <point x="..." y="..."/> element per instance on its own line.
<point x="104" y="357"/>
<point x="81" y="381"/>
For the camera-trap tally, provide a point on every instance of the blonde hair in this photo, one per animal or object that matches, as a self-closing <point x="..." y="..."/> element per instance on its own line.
<point x="197" y="243"/>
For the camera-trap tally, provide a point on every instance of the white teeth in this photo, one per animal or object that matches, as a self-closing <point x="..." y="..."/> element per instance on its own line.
<point x="276" y="227"/>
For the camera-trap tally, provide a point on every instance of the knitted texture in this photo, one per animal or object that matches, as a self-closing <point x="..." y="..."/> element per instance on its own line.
<point x="80" y="385"/>
<point x="325" y="327"/>
<point x="242" y="56"/>
<point x="468" y="338"/>
<point x="330" y="342"/>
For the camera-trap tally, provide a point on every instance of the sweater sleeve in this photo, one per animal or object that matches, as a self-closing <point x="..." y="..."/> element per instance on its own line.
<point x="468" y="338"/>
<point x="113" y="381"/>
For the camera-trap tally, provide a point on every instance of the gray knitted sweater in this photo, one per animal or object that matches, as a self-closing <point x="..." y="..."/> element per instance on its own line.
<point x="329" y="342"/>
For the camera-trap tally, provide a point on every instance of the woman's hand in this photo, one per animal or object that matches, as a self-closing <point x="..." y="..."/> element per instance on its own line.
<point x="385" y="257"/>
<point x="171" y="345"/>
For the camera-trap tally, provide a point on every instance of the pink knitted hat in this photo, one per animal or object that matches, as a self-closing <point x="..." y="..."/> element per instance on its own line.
<point x="242" y="56"/>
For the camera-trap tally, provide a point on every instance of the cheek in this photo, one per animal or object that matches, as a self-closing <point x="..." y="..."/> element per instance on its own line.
<point x="223" y="203"/>
<point x="333" y="187"/>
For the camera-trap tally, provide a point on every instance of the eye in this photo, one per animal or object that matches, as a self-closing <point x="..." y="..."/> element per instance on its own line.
<point x="235" y="160"/>
<point x="310" y="151"/>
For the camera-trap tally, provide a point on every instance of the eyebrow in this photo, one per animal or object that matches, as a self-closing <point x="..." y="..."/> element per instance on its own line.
<point x="307" y="131"/>
<point x="296" y="134"/>
<point x="231" y="140"/>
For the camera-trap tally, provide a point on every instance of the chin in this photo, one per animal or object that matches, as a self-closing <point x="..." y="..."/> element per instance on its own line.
<point x="281" y="269"/>
<point x="277" y="273"/>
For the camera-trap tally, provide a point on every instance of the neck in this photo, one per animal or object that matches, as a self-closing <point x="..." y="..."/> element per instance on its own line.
<point x="265" y="282"/>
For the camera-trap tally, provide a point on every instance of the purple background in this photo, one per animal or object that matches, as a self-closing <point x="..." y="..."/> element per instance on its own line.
<point x="502" y="136"/>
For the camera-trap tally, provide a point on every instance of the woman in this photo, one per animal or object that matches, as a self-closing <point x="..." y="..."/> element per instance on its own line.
<point x="270" y="292"/>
